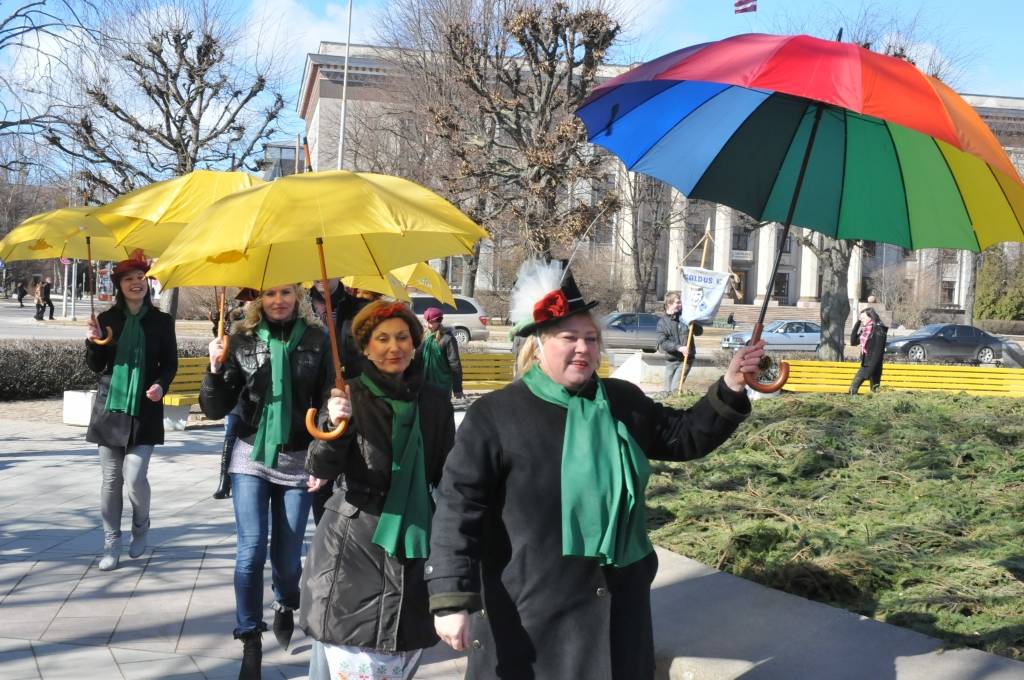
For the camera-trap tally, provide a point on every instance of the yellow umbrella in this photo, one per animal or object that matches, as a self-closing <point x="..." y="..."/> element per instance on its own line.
<point x="420" y="276"/>
<point x="68" y="232"/>
<point x="165" y="207"/>
<point x="355" y="224"/>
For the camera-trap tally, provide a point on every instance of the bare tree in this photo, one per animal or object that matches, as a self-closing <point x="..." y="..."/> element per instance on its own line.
<point x="162" y="89"/>
<point x="651" y="213"/>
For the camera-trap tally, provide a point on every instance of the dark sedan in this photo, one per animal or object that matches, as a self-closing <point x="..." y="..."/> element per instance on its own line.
<point x="630" y="331"/>
<point x="947" y="342"/>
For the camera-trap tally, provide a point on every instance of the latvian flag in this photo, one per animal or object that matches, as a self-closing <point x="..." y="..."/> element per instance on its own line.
<point x="742" y="6"/>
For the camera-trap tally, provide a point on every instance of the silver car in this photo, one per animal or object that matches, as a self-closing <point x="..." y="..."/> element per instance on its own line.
<point x="467" y="319"/>
<point x="630" y="330"/>
<point x="781" y="336"/>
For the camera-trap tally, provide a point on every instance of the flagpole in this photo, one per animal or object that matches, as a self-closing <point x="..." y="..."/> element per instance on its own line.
<point x="706" y="238"/>
<point x="344" y="92"/>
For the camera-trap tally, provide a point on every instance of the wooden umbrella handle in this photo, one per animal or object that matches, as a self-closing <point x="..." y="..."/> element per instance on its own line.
<point x="224" y="338"/>
<point x="339" y="381"/>
<point x="751" y="379"/>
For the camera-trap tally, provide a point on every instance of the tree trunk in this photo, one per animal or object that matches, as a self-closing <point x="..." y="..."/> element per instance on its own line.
<point x="970" y="279"/>
<point x="631" y="300"/>
<point x="171" y="305"/>
<point x="470" y="265"/>
<point x="834" y="267"/>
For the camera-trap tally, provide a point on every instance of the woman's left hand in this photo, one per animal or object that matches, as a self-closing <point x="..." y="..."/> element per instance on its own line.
<point x="314" y="484"/>
<point x="155" y="392"/>
<point x="745" y="360"/>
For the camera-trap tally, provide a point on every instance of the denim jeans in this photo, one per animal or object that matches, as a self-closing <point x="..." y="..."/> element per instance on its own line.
<point x="283" y="510"/>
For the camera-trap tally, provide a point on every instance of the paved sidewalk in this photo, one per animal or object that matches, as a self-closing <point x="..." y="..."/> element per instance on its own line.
<point x="170" y="613"/>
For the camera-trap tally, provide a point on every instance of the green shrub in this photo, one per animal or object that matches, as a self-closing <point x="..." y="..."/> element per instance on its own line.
<point x="37" y="369"/>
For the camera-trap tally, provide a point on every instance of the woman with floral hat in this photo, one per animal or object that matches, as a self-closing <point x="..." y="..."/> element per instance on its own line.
<point x="540" y="565"/>
<point x="135" y="368"/>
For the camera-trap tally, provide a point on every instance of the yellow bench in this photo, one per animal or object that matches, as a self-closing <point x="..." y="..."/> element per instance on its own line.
<point x="492" y="371"/>
<point x="184" y="389"/>
<point x="835" y="376"/>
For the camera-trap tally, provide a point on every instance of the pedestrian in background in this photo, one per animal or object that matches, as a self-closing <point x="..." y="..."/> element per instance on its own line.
<point x="440" y="353"/>
<point x="869" y="333"/>
<point x="127" y="420"/>
<point x="47" y="301"/>
<point x="674" y="341"/>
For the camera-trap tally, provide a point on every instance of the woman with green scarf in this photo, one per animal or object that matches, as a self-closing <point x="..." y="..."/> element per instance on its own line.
<point x="364" y="598"/>
<point x="278" y="365"/>
<point x="136" y="368"/>
<point x="440" y="354"/>
<point x="540" y="565"/>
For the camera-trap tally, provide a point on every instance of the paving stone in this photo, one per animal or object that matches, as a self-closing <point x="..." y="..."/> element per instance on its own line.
<point x="74" y="662"/>
<point x="86" y="630"/>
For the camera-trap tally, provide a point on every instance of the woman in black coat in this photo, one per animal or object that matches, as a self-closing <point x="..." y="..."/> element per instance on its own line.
<point x="540" y="564"/>
<point x="127" y="421"/>
<point x="278" y="365"/>
<point x="439" y="351"/>
<point x="870" y="334"/>
<point x="363" y="594"/>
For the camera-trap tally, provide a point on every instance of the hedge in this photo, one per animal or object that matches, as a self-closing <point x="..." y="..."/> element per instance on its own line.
<point x="1001" y="326"/>
<point x="38" y="369"/>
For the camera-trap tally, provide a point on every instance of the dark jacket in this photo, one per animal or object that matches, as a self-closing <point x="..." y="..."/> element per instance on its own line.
<point x="672" y="335"/>
<point x="244" y="379"/>
<point x="45" y="292"/>
<point x="875" y="346"/>
<point x="496" y="541"/>
<point x="353" y="593"/>
<point x="345" y="308"/>
<point x="120" y="429"/>
<point x="449" y="347"/>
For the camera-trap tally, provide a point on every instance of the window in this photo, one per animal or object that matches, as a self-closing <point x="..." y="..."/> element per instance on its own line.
<point x="780" y="290"/>
<point x="908" y="254"/>
<point x="948" y="292"/>
<point x="741" y="238"/>
<point x="786" y="246"/>
<point x="869" y="248"/>
<point x="648" y="321"/>
<point x="812" y="327"/>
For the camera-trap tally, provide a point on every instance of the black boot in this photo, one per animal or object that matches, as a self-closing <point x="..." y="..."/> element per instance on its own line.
<point x="252" y="655"/>
<point x="284" y="624"/>
<point x="224" y="486"/>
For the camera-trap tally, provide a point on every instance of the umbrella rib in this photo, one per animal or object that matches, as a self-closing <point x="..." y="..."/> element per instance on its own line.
<point x="903" y="182"/>
<point x="959" y="192"/>
<point x="842" y="182"/>
<point x="266" y="264"/>
<point x="777" y="173"/>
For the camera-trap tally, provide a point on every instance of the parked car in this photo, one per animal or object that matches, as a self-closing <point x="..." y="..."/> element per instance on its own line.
<point x="781" y="336"/>
<point x="946" y="342"/>
<point x="629" y="330"/>
<point x="467" y="318"/>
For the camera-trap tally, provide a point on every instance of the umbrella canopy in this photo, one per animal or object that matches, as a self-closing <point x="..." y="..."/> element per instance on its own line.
<point x="898" y="157"/>
<point x="420" y="276"/>
<point x="62" y="233"/>
<point x="163" y="208"/>
<point x="267" y="235"/>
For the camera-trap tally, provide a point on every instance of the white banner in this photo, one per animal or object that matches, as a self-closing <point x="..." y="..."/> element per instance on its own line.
<point x="702" y="292"/>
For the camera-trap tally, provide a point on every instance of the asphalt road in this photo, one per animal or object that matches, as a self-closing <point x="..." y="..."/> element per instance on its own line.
<point x="18" y="322"/>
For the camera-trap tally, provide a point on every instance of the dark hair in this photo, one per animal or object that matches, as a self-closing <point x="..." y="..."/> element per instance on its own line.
<point x="872" y="314"/>
<point x="375" y="313"/>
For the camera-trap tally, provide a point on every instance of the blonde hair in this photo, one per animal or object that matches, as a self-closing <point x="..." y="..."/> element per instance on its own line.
<point x="527" y="356"/>
<point x="254" y="312"/>
<point x="670" y="297"/>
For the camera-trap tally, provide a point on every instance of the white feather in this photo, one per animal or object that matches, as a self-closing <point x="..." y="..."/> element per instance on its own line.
<point x="536" y="278"/>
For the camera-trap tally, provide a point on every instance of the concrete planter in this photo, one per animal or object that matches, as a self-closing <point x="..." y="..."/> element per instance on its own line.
<point x="77" y="407"/>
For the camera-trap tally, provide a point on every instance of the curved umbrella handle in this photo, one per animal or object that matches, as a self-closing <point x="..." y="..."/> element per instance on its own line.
<point x="319" y="434"/>
<point x="108" y="335"/>
<point x="751" y="379"/>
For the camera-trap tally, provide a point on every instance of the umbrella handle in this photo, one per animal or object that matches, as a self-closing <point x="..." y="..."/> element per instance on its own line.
<point x="751" y="379"/>
<point x="225" y="339"/>
<point x="319" y="434"/>
<point x="107" y="337"/>
<point x="109" y="332"/>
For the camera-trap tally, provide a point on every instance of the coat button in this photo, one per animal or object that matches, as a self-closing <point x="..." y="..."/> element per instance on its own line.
<point x="483" y="613"/>
<point x="601" y="591"/>
<point x="476" y="644"/>
<point x="429" y="569"/>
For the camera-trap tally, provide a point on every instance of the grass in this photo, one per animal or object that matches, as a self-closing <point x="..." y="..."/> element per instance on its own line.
<point x="907" y="508"/>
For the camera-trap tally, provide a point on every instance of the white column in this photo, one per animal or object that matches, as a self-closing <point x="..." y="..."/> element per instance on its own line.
<point x="853" y="280"/>
<point x="808" y="275"/>
<point x="767" y="237"/>
<point x="723" y="238"/>
<point x="676" y="241"/>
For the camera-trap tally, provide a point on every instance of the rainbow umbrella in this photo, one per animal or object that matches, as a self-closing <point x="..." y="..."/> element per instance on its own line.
<point x="825" y="135"/>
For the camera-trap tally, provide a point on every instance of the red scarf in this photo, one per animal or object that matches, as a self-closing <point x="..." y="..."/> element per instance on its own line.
<point x="865" y="333"/>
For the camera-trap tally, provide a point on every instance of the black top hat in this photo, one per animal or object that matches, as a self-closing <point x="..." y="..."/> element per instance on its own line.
<point x="557" y="305"/>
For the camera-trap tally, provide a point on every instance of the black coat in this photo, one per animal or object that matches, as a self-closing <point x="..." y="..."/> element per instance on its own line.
<point x="244" y="379"/>
<point x="672" y="335"/>
<point x="354" y="593"/>
<point x="120" y="429"/>
<point x="496" y="542"/>
<point x="345" y="308"/>
<point x="875" y="345"/>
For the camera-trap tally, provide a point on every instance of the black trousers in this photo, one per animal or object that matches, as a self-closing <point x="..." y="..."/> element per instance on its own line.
<point x="46" y="303"/>
<point x="869" y="372"/>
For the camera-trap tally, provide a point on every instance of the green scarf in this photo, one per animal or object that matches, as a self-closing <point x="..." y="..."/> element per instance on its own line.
<point x="436" y="370"/>
<point x="276" y="421"/>
<point x="125" y="391"/>
<point x="604" y="475"/>
<point x="404" y="526"/>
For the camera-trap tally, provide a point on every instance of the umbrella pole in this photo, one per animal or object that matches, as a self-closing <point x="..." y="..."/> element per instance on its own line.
<point x="759" y="326"/>
<point x="339" y="381"/>
<point x="220" y="326"/>
<point x="109" y="333"/>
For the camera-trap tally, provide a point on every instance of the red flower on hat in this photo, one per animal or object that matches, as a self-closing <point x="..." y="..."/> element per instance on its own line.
<point x="552" y="306"/>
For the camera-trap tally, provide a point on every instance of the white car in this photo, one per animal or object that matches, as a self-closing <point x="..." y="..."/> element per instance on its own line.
<point x="781" y="336"/>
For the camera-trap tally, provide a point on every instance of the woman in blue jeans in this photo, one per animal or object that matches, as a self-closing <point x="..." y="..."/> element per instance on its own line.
<point x="278" y="365"/>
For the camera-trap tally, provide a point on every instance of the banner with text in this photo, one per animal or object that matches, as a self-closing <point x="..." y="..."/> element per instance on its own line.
<point x="702" y="292"/>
